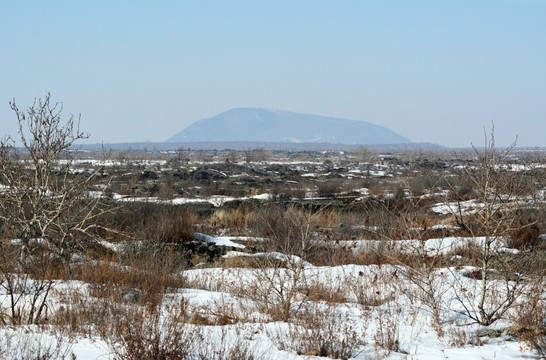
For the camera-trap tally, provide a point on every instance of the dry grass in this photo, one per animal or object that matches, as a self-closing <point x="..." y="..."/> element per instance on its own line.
<point x="529" y="318"/>
<point x="321" y="331"/>
<point x="142" y="333"/>
<point x="317" y="291"/>
<point x="123" y="294"/>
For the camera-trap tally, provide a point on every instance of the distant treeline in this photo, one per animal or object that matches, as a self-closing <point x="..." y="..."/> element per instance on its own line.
<point x="242" y="145"/>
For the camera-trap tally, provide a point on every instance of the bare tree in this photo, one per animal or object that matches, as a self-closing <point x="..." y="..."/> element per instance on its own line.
<point x="500" y="280"/>
<point x="43" y="198"/>
<point x="47" y="209"/>
<point x="257" y="154"/>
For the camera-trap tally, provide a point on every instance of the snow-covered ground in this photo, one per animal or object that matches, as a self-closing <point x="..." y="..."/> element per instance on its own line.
<point x="216" y="200"/>
<point x="409" y="320"/>
<point x="380" y="309"/>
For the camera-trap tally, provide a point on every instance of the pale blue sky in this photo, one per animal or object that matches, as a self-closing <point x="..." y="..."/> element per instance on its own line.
<point x="433" y="71"/>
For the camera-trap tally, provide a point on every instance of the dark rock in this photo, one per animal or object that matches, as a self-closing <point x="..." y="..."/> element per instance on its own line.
<point x="148" y="175"/>
<point x="207" y="174"/>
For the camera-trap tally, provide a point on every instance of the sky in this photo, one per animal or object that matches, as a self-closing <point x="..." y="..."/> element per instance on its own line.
<point x="433" y="71"/>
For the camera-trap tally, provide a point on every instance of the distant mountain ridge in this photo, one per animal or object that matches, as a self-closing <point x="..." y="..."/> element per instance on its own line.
<point x="252" y="124"/>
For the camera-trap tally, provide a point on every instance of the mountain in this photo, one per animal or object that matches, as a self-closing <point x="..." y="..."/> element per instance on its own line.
<point x="249" y="124"/>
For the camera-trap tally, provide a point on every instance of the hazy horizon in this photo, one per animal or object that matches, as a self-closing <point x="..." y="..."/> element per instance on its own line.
<point x="434" y="72"/>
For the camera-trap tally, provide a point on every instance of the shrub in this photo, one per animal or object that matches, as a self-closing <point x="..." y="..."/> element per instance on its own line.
<point x="530" y="318"/>
<point x="321" y="331"/>
<point x="143" y="334"/>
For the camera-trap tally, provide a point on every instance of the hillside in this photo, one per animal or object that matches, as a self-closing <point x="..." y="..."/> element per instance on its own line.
<point x="249" y="124"/>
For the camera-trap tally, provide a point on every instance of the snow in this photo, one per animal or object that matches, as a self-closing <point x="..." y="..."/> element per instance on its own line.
<point x="438" y="246"/>
<point x="91" y="349"/>
<point x="216" y="292"/>
<point x="363" y="191"/>
<point x="216" y="200"/>
<point x="109" y="245"/>
<point x="467" y="207"/>
<point x="444" y="227"/>
<point x="218" y="241"/>
<point x="379" y="173"/>
<point x="271" y="255"/>
<point x="375" y="298"/>
<point x="416" y="337"/>
<point x="25" y="342"/>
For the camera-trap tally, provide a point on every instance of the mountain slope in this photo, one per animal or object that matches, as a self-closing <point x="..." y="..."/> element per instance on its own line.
<point x="249" y="124"/>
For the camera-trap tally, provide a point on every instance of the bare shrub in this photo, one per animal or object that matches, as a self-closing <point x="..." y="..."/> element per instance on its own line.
<point x="458" y="337"/>
<point x="295" y="230"/>
<point x="42" y="343"/>
<point x="166" y="190"/>
<point x="279" y="275"/>
<point x="27" y="282"/>
<point x="378" y="253"/>
<point x="233" y="219"/>
<point x="370" y="289"/>
<point x="329" y="188"/>
<point x="316" y="291"/>
<point x="168" y="224"/>
<point x="109" y="294"/>
<point x="227" y="348"/>
<point x="152" y="222"/>
<point x="166" y="333"/>
<point x="113" y="284"/>
<point x="277" y="285"/>
<point x="214" y="315"/>
<point x="529" y="317"/>
<point x="526" y="230"/>
<point x="80" y="313"/>
<point x="387" y="335"/>
<point x="421" y="265"/>
<point x="321" y="331"/>
<point x="142" y="333"/>
<point x="140" y="275"/>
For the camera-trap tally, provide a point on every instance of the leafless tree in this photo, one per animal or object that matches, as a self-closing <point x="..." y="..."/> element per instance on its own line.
<point x="43" y="199"/>
<point x="499" y="279"/>
<point x="257" y="154"/>
<point x="47" y="209"/>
